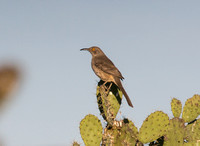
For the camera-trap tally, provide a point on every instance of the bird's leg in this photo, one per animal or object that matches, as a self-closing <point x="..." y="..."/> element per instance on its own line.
<point x="107" y="89"/>
<point x="104" y="88"/>
<point x="104" y="85"/>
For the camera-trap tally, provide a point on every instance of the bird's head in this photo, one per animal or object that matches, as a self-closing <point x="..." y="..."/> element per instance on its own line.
<point x="94" y="50"/>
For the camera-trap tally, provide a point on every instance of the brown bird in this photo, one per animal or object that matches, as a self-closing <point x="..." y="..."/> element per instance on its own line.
<point x="106" y="70"/>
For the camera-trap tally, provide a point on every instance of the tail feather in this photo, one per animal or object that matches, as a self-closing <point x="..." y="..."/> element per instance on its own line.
<point x="119" y="84"/>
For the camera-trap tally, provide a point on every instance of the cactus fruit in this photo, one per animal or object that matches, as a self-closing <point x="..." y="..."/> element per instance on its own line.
<point x="91" y="130"/>
<point x="154" y="126"/>
<point x="121" y="133"/>
<point x="108" y="103"/>
<point x="175" y="133"/>
<point x="176" y="107"/>
<point x="191" y="110"/>
<point x="192" y="132"/>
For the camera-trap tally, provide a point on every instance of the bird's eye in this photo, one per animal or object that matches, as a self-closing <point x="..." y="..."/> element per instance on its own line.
<point x="93" y="49"/>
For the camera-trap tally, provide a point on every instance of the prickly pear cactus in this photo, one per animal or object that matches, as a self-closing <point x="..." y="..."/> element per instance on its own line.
<point x="121" y="133"/>
<point x="176" y="107"/>
<point x="108" y="101"/>
<point x="157" y="129"/>
<point x="175" y="133"/>
<point x="91" y="130"/>
<point x="192" y="133"/>
<point x="153" y="127"/>
<point x="191" y="110"/>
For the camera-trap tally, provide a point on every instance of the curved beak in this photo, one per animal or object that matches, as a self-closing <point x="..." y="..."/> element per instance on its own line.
<point x="87" y="49"/>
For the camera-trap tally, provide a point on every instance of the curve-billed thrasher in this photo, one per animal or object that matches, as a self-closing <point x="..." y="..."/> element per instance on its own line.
<point x="106" y="70"/>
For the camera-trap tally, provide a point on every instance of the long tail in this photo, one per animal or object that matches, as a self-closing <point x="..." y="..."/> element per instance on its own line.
<point x="119" y="84"/>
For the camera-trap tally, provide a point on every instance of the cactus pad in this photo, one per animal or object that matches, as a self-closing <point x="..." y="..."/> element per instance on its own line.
<point x="191" y="110"/>
<point x="129" y="133"/>
<point x="108" y="101"/>
<point x="192" y="132"/>
<point x="176" y="107"/>
<point x="154" y="126"/>
<point x="175" y="132"/>
<point x="91" y="130"/>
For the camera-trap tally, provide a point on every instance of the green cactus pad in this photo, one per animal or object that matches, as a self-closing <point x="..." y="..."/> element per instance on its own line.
<point x="175" y="132"/>
<point x="131" y="127"/>
<point x="192" y="144"/>
<point x="91" y="130"/>
<point x="122" y="133"/>
<point x="176" y="107"/>
<point x="129" y="133"/>
<point x="108" y="101"/>
<point x="154" y="126"/>
<point x="191" y="110"/>
<point x="192" y="132"/>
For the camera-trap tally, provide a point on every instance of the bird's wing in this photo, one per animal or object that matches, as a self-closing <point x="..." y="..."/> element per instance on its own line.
<point x="106" y="65"/>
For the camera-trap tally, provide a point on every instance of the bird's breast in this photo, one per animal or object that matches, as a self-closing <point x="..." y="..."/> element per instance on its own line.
<point x="102" y="75"/>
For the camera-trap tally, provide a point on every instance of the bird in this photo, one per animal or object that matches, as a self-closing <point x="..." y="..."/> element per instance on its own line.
<point x="104" y="68"/>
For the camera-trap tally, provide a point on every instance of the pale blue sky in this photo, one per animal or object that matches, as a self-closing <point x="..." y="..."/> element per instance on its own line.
<point x="155" y="45"/>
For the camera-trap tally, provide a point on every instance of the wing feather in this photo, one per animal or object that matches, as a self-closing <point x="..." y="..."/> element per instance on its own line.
<point x="106" y="65"/>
